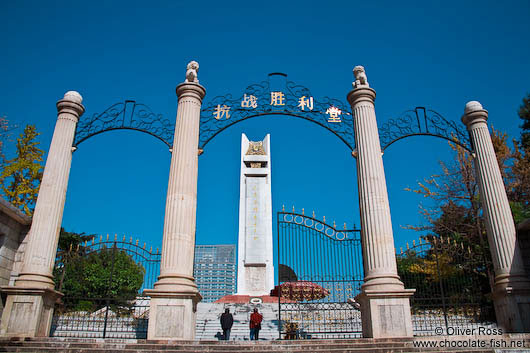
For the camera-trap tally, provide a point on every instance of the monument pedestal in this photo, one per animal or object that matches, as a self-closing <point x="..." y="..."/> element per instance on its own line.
<point x="512" y="305"/>
<point x="28" y="312"/>
<point x="172" y="316"/>
<point x="386" y="313"/>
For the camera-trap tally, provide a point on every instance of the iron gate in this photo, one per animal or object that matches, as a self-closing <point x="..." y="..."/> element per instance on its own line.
<point x="320" y="272"/>
<point x="452" y="286"/>
<point x="102" y="282"/>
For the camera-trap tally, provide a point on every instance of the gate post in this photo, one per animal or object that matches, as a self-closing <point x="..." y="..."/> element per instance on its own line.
<point x="511" y="289"/>
<point x="175" y="295"/>
<point x="385" y="304"/>
<point x="30" y="302"/>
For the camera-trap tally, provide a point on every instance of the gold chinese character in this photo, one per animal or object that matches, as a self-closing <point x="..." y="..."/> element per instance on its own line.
<point x="249" y="101"/>
<point x="334" y="113"/>
<point x="277" y="98"/>
<point x="305" y="102"/>
<point x="221" y="111"/>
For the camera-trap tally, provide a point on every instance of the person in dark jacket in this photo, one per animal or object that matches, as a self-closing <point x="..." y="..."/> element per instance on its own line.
<point x="227" y="320"/>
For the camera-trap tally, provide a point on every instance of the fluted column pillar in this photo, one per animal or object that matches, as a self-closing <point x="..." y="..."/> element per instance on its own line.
<point x="385" y="306"/>
<point x="29" y="304"/>
<point x="175" y="295"/>
<point x="511" y="292"/>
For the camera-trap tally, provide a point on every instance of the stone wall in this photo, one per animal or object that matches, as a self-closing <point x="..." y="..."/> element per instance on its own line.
<point x="14" y="225"/>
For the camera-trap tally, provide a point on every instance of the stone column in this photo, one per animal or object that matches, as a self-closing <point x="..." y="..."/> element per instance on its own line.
<point x="511" y="292"/>
<point x="30" y="302"/>
<point x="385" y="304"/>
<point x="175" y="295"/>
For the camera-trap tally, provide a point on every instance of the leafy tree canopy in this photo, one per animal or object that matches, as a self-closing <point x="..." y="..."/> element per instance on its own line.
<point x="21" y="176"/>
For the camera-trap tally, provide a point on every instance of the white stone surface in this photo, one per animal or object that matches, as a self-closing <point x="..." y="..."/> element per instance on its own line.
<point x="176" y="283"/>
<point x="40" y="250"/>
<point x="255" y="270"/>
<point x="383" y="294"/>
<point x="512" y="287"/>
<point x="34" y="292"/>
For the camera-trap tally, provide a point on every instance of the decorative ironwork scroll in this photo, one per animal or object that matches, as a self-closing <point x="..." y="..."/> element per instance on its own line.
<point x="288" y="98"/>
<point x="127" y="115"/>
<point x="422" y="121"/>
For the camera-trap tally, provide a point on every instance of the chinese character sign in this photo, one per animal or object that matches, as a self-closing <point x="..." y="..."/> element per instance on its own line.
<point x="249" y="101"/>
<point x="305" y="102"/>
<point x="334" y="114"/>
<point x="277" y="98"/>
<point x="221" y="111"/>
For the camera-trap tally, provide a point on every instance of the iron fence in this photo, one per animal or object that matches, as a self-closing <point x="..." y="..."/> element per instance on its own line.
<point x="103" y="281"/>
<point x="320" y="272"/>
<point x="452" y="285"/>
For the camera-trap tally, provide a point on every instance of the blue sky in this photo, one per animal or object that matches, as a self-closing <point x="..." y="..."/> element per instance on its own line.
<point x="438" y="54"/>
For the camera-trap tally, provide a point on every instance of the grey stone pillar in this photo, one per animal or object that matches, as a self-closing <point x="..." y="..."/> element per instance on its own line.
<point x="385" y="304"/>
<point x="30" y="302"/>
<point x="175" y="295"/>
<point x="511" y="292"/>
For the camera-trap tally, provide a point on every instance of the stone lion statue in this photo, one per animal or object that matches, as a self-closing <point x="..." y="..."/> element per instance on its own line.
<point x="191" y="73"/>
<point x="360" y="77"/>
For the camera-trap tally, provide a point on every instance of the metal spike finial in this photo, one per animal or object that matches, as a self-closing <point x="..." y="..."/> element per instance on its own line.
<point x="151" y="250"/>
<point x="293" y="208"/>
<point x="420" y="241"/>
<point x="303" y="211"/>
<point x="130" y="240"/>
<point x="77" y="249"/>
<point x="401" y="249"/>
<point x="115" y="237"/>
<point x="86" y="243"/>
<point x="313" y="213"/>
<point x="71" y="246"/>
<point x="157" y="251"/>
<point x="107" y="236"/>
<point x="334" y="225"/>
<point x="413" y="242"/>
<point x="145" y="245"/>
<point x="123" y="238"/>
<point x="283" y="208"/>
<point x="408" y="246"/>
<point x="137" y="241"/>
<point x="345" y="225"/>
<point x="324" y="218"/>
<point x="100" y="238"/>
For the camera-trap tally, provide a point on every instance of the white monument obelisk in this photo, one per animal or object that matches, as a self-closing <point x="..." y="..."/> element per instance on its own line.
<point x="255" y="271"/>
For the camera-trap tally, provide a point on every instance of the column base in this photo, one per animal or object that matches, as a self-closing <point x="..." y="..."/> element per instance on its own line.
<point x="511" y="299"/>
<point x="28" y="311"/>
<point x="386" y="313"/>
<point x="172" y="316"/>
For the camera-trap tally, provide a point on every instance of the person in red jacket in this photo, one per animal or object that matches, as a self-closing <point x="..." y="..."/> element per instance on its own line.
<point x="255" y="325"/>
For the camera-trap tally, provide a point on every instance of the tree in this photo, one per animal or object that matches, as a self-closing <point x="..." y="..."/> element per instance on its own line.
<point x="70" y="246"/>
<point x="20" y="179"/>
<point x="107" y="274"/>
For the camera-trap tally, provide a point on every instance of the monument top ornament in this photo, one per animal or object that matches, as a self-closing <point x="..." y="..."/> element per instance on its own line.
<point x="360" y="77"/>
<point x="191" y="72"/>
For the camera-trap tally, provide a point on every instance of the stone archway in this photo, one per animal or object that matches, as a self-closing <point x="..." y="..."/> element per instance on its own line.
<point x="384" y="301"/>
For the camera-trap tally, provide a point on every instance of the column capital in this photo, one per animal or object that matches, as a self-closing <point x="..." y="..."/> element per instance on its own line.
<point x="191" y="89"/>
<point x="71" y="103"/>
<point x="474" y="113"/>
<point x="361" y="94"/>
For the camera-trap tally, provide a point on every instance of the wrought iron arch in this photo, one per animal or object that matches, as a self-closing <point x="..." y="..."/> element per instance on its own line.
<point x="128" y="115"/>
<point x="283" y="98"/>
<point x="423" y="122"/>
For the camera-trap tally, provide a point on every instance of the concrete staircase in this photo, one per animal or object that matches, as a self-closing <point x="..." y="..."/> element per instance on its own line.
<point x="366" y="345"/>
<point x="208" y="326"/>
